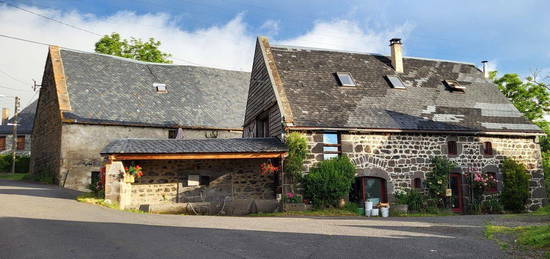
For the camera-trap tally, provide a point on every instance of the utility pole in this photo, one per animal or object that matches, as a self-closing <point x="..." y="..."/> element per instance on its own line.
<point x="14" y="140"/>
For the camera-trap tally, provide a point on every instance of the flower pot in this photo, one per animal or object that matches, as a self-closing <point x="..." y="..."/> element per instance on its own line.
<point x="129" y="179"/>
<point x="400" y="208"/>
<point x="374" y="212"/>
<point x="368" y="205"/>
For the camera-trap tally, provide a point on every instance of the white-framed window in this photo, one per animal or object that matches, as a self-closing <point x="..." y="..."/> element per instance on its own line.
<point x="345" y="79"/>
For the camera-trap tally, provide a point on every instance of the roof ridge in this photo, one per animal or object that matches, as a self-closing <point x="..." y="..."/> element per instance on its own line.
<point x="367" y="53"/>
<point x="145" y="62"/>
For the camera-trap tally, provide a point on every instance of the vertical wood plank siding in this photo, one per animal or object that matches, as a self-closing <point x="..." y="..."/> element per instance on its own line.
<point x="261" y="97"/>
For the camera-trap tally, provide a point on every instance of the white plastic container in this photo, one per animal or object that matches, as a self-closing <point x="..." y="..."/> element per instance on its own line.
<point x="368" y="213"/>
<point x="385" y="212"/>
<point x="375" y="212"/>
<point x="368" y="205"/>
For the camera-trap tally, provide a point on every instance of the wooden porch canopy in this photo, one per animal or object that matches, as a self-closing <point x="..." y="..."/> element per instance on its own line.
<point x="183" y="149"/>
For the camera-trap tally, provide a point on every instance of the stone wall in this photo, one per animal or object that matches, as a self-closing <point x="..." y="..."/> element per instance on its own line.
<point x="82" y="143"/>
<point x="46" y="135"/>
<point x="9" y="143"/>
<point x="165" y="181"/>
<point x="401" y="157"/>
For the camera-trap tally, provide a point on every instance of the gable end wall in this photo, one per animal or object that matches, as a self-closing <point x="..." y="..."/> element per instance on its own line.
<point x="261" y="98"/>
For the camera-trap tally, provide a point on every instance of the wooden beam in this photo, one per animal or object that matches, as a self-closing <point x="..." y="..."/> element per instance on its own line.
<point x="196" y="156"/>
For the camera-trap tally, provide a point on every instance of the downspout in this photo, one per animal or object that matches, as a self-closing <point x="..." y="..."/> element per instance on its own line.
<point x="282" y="184"/>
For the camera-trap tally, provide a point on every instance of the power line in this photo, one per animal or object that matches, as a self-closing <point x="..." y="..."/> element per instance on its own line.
<point x="51" y="19"/>
<point x="49" y="44"/>
<point x="1" y="86"/>
<point x="12" y="77"/>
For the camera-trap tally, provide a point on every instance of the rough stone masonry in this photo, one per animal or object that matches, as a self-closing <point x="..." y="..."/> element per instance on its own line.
<point x="401" y="157"/>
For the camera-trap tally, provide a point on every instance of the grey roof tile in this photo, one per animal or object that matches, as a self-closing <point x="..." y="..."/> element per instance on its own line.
<point x="107" y="89"/>
<point x="316" y="99"/>
<point x="25" y="120"/>
<point x="180" y="146"/>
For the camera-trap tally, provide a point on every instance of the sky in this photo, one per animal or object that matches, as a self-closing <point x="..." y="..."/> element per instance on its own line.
<point x="512" y="35"/>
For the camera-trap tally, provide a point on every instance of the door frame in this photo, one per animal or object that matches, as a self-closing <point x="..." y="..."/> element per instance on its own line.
<point x="460" y="193"/>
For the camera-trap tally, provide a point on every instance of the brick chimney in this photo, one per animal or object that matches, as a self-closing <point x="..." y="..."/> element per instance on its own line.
<point x="485" y="69"/>
<point x="5" y="116"/>
<point x="396" y="55"/>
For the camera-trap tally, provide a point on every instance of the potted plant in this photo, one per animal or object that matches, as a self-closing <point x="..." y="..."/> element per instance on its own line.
<point x="132" y="172"/>
<point x="400" y="204"/>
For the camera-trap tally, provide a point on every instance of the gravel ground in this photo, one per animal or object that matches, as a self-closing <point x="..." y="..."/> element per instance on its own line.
<point x="44" y="221"/>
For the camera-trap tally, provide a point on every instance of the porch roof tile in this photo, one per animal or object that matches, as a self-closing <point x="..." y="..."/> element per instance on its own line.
<point x="183" y="146"/>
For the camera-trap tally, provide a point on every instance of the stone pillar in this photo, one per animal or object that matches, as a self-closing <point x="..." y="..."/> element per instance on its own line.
<point x="114" y="181"/>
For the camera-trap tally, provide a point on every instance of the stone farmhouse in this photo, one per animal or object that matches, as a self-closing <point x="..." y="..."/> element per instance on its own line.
<point x="88" y="100"/>
<point x="25" y="120"/>
<point x="390" y="115"/>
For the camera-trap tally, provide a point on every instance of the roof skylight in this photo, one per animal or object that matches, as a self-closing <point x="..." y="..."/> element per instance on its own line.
<point x="396" y="82"/>
<point x="161" y="88"/>
<point x="345" y="79"/>
<point x="454" y="85"/>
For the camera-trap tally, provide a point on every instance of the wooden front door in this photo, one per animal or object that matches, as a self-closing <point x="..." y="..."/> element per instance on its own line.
<point x="457" y="201"/>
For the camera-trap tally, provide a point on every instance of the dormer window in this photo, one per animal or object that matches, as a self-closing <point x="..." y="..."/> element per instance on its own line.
<point x="345" y="79"/>
<point x="396" y="82"/>
<point x="454" y="85"/>
<point x="160" y="88"/>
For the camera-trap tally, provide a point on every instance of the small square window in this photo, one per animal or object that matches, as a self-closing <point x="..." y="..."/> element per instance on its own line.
<point x="172" y="134"/>
<point x="345" y="79"/>
<point x="396" y="82"/>
<point x="20" y="144"/>
<point x="452" y="148"/>
<point x="2" y="143"/>
<point x="417" y="183"/>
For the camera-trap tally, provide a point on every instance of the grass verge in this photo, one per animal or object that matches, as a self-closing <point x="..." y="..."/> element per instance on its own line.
<point x="424" y="214"/>
<point x="91" y="198"/>
<point x="527" y="237"/>
<point x="10" y="176"/>
<point x="322" y="213"/>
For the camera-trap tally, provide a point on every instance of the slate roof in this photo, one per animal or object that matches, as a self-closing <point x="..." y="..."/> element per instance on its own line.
<point x="180" y="146"/>
<point x="25" y="120"/>
<point x="113" y="90"/>
<point x="317" y="100"/>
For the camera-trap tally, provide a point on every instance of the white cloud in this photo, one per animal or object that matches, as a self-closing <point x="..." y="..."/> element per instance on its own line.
<point x="349" y="35"/>
<point x="270" y="27"/>
<point x="229" y="46"/>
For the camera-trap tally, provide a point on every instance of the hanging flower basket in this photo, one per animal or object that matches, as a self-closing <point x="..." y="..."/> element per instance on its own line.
<point x="132" y="173"/>
<point x="268" y="169"/>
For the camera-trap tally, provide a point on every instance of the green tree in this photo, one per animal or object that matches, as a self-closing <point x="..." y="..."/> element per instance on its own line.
<point x="133" y="48"/>
<point x="529" y="96"/>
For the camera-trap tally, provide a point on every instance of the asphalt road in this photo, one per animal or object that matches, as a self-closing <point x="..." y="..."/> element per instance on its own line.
<point x="43" y="221"/>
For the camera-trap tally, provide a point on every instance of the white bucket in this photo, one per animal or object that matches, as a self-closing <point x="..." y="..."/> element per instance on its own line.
<point x="368" y="213"/>
<point x="374" y="212"/>
<point x="385" y="212"/>
<point x="368" y="205"/>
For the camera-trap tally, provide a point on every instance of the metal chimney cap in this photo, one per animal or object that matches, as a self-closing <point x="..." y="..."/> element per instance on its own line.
<point x="484" y="61"/>
<point x="395" y="41"/>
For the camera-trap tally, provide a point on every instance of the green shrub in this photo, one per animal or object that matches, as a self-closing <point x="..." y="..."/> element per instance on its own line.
<point x="297" y="153"/>
<point x="546" y="167"/>
<point x="516" y="186"/>
<point x="329" y="181"/>
<point x="21" y="163"/>
<point x="438" y="179"/>
<point x="492" y="205"/>
<point x="414" y="199"/>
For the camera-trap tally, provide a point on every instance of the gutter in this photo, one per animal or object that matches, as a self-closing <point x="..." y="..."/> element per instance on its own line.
<point x="71" y="121"/>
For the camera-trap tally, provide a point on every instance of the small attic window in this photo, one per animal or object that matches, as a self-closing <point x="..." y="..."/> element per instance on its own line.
<point x="396" y="82"/>
<point x="345" y="79"/>
<point x="454" y="85"/>
<point x="161" y="88"/>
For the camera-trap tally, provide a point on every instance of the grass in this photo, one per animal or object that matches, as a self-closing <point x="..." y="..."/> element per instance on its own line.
<point x="529" y="237"/>
<point x="91" y="198"/>
<point x="9" y="176"/>
<point x="544" y="211"/>
<point x="425" y="214"/>
<point x="322" y="213"/>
